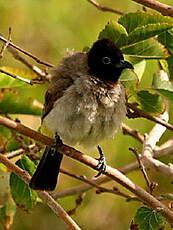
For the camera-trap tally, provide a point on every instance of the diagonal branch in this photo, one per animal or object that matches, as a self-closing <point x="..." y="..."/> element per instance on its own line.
<point x="114" y="174"/>
<point x="56" y="208"/>
<point x="139" y="113"/>
<point x="42" y="74"/>
<point x="104" y="8"/>
<point x="16" y="77"/>
<point x="158" y="6"/>
<point x="25" y="52"/>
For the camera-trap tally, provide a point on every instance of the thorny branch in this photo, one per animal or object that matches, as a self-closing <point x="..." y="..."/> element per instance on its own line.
<point x="114" y="174"/>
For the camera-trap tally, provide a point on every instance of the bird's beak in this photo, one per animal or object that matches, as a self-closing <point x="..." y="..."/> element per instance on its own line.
<point x="124" y="65"/>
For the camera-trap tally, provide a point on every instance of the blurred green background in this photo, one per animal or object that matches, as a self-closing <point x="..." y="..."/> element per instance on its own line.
<point x="47" y="28"/>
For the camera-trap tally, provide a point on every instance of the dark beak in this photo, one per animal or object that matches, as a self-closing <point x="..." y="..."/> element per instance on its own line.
<point x="124" y="65"/>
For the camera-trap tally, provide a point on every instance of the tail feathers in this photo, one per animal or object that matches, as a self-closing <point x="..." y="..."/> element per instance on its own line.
<point x="46" y="174"/>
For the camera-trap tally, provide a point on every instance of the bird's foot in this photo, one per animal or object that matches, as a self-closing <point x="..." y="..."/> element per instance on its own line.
<point x="101" y="162"/>
<point x="57" y="142"/>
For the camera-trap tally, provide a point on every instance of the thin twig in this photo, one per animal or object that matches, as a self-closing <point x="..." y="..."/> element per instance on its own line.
<point x="26" y="52"/>
<point x="139" y="113"/>
<point x="34" y="68"/>
<point x="113" y="173"/>
<point x="151" y="185"/>
<point x="78" y="202"/>
<point x="17" y="77"/>
<point x="104" y="8"/>
<point x="152" y="138"/>
<point x="58" y="210"/>
<point x="132" y="132"/>
<point x="91" y="182"/>
<point x="32" y="148"/>
<point x="4" y="47"/>
<point x="158" y="6"/>
<point x="165" y="149"/>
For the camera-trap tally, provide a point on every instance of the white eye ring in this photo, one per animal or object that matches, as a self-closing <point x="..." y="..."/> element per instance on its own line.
<point x="106" y="60"/>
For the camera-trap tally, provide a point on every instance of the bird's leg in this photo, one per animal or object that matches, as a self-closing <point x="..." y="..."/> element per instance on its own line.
<point x="101" y="162"/>
<point x="46" y="174"/>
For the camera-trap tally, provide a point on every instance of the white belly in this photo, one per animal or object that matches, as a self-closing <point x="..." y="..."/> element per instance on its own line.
<point x="86" y="117"/>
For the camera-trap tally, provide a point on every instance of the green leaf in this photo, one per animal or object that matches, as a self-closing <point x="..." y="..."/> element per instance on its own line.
<point x="115" y="32"/>
<point x="150" y="49"/>
<point x="150" y="102"/>
<point x="138" y="19"/>
<point x="165" y="88"/>
<point x="23" y="196"/>
<point x="147" y="31"/>
<point x="139" y="68"/>
<point x="166" y="39"/>
<point x="5" y="132"/>
<point x="148" y="219"/>
<point x="170" y="66"/>
<point x="129" y="78"/>
<point x="9" y="82"/>
<point x="17" y="103"/>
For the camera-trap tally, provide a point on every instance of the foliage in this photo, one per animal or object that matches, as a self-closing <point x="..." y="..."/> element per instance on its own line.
<point x="142" y="37"/>
<point x="23" y="196"/>
<point x="148" y="219"/>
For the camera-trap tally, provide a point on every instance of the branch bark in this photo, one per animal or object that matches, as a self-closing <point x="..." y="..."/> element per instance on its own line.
<point x="158" y="6"/>
<point x="114" y="174"/>
<point x="152" y="139"/>
<point x="56" y="208"/>
<point x="104" y="8"/>
<point x="25" y="52"/>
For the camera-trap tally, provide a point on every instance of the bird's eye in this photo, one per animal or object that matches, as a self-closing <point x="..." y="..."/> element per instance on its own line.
<point x="106" y="60"/>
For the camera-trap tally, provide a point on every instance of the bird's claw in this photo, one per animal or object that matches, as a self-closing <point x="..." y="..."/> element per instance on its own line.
<point x="101" y="162"/>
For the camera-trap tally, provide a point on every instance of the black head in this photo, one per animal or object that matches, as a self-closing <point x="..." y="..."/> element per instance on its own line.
<point x="106" y="61"/>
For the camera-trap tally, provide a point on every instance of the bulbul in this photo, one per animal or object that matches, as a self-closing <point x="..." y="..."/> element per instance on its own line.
<point x="84" y="104"/>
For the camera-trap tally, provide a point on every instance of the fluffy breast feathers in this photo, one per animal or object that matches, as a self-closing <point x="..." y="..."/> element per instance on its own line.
<point x="81" y="108"/>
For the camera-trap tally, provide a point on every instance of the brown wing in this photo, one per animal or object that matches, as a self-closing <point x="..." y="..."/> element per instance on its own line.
<point x="54" y="93"/>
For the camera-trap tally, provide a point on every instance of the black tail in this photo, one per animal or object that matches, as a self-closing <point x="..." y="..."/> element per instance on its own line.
<point x="46" y="174"/>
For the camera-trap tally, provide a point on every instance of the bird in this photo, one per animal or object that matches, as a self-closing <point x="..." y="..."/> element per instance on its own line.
<point x="84" y="104"/>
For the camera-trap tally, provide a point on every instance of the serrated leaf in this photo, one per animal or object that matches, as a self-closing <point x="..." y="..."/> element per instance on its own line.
<point x="138" y="19"/>
<point x="115" y="32"/>
<point x="23" y="196"/>
<point x="148" y="31"/>
<point x="148" y="219"/>
<point x="129" y="78"/>
<point x="166" y="39"/>
<point x="170" y="66"/>
<point x="165" y="88"/>
<point x="149" y="49"/>
<point x="150" y="102"/>
<point x="17" y="103"/>
<point x="164" y="65"/>
<point x="139" y="69"/>
<point x="9" y="82"/>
